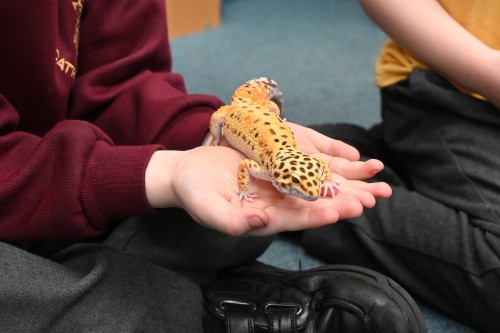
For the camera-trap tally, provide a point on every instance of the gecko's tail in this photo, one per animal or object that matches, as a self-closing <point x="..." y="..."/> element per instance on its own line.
<point x="262" y="88"/>
<point x="273" y="90"/>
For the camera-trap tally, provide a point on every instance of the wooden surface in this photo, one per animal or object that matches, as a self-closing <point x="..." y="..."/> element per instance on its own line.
<point x="190" y="16"/>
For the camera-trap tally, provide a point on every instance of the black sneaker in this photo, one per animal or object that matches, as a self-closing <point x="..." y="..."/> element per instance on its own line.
<point x="337" y="298"/>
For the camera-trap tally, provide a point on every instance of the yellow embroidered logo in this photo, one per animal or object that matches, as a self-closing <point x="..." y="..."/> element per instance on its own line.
<point x="64" y="65"/>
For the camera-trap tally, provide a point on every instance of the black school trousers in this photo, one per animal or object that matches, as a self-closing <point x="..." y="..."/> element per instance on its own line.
<point x="143" y="276"/>
<point x="439" y="233"/>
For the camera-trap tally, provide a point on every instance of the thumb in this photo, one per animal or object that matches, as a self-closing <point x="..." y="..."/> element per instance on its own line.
<point x="227" y="218"/>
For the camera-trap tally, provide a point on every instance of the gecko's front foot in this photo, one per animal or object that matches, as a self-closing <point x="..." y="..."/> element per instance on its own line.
<point x="333" y="187"/>
<point x="246" y="195"/>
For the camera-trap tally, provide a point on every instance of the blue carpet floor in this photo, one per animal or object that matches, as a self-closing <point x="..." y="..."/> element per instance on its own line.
<point x="321" y="52"/>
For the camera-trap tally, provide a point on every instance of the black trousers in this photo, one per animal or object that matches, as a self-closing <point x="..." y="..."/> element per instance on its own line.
<point x="143" y="276"/>
<point x="439" y="233"/>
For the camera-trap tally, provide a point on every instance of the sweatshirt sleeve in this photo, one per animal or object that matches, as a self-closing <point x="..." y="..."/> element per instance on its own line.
<point x="70" y="182"/>
<point x="122" y="67"/>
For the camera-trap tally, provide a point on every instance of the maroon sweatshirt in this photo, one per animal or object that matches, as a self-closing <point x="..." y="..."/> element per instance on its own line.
<point x="86" y="96"/>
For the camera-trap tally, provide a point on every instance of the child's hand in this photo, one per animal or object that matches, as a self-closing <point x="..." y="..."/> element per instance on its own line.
<point x="203" y="182"/>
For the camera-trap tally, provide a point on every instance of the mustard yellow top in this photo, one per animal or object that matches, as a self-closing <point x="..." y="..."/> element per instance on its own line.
<point x="480" y="17"/>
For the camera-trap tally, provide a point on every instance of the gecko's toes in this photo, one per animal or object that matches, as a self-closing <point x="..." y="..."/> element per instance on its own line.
<point x="244" y="195"/>
<point x="332" y="187"/>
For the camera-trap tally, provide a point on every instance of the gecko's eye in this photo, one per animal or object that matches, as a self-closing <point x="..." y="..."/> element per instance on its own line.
<point x="295" y="179"/>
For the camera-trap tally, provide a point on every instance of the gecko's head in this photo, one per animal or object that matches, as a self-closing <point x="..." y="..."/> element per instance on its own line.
<point x="298" y="174"/>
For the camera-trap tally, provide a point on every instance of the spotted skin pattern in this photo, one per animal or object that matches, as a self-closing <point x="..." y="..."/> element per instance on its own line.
<point x="252" y="124"/>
